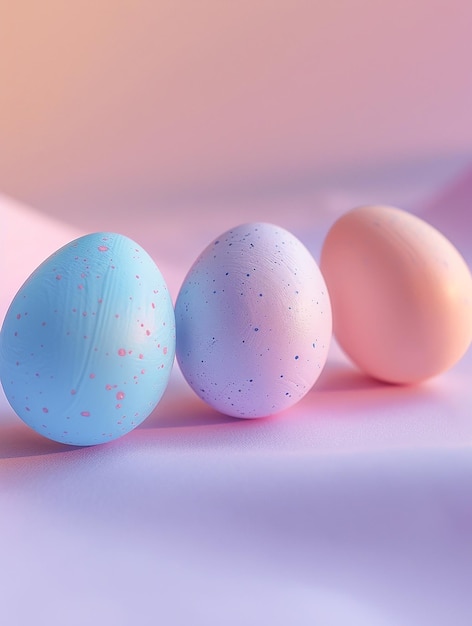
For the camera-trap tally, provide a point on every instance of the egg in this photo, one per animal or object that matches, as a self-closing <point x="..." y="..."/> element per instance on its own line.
<point x="88" y="342"/>
<point x="253" y="321"/>
<point x="401" y="294"/>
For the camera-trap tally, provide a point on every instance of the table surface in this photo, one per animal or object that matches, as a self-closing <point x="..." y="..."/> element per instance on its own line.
<point x="353" y="507"/>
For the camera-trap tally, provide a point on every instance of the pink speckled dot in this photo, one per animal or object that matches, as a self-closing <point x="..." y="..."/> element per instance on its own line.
<point x="108" y="387"/>
<point x="164" y="349"/>
<point x="118" y="406"/>
<point x="102" y="248"/>
<point x="58" y="277"/>
<point x="141" y="356"/>
<point x="85" y="413"/>
<point x="73" y="392"/>
<point x="120" y="395"/>
<point x="18" y="316"/>
<point x="143" y="371"/>
<point x="122" y="352"/>
<point x="45" y="409"/>
<point x="92" y="375"/>
<point x="80" y="286"/>
<point x="148" y="332"/>
<point x="153" y="305"/>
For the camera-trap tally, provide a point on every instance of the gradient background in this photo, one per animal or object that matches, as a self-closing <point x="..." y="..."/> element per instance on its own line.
<point x="116" y="103"/>
<point x="170" y="122"/>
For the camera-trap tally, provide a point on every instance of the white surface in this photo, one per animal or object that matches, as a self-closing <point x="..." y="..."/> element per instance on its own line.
<point x="352" y="508"/>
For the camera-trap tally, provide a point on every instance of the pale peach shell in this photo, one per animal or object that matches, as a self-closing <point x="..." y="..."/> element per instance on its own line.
<point x="401" y="294"/>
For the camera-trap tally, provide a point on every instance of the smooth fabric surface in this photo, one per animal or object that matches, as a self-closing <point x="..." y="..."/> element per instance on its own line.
<point x="353" y="507"/>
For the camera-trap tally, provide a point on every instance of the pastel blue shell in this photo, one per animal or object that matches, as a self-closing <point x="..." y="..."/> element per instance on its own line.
<point x="88" y="343"/>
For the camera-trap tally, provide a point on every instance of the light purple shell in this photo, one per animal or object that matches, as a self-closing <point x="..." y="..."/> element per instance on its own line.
<point x="88" y="343"/>
<point x="253" y="321"/>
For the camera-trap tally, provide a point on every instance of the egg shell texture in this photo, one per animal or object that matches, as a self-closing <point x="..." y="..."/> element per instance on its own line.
<point x="401" y="294"/>
<point x="253" y="321"/>
<point x="88" y="342"/>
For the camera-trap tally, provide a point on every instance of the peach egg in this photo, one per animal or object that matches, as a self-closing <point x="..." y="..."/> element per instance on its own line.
<point x="401" y="294"/>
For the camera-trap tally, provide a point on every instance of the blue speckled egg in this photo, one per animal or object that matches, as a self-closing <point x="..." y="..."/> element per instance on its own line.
<point x="253" y="320"/>
<point x="88" y="343"/>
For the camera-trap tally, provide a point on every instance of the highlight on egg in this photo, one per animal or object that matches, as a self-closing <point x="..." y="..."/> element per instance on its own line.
<point x="253" y="321"/>
<point x="401" y="294"/>
<point x="88" y="342"/>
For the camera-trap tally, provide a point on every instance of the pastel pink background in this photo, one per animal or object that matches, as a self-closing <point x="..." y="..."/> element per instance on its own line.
<point x="170" y="122"/>
<point x="111" y="101"/>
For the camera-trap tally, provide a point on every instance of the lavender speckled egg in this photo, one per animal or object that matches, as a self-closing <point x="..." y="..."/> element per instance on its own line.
<point x="253" y="320"/>
<point x="88" y="343"/>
